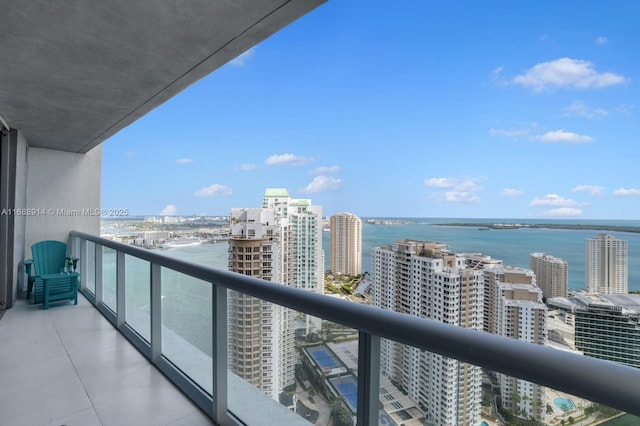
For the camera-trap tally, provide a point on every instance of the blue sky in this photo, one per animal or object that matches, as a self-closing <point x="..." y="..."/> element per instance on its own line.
<point x="416" y="109"/>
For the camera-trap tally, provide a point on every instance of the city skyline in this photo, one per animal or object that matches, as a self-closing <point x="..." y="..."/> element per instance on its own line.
<point x="429" y="108"/>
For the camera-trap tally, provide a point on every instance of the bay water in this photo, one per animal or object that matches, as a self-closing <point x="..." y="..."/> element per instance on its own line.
<point x="512" y="246"/>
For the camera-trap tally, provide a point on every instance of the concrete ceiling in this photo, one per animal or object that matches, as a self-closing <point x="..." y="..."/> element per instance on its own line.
<point x="74" y="72"/>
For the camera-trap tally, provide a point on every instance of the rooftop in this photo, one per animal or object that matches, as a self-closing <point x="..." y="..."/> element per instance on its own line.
<point x="630" y="303"/>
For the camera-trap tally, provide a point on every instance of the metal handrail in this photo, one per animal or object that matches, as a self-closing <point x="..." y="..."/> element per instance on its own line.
<point x="605" y="382"/>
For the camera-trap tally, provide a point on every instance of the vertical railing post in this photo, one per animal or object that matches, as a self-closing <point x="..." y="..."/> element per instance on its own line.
<point x="368" y="379"/>
<point x="156" y="312"/>
<point x="98" y="269"/>
<point x="219" y="352"/>
<point x="120" y="289"/>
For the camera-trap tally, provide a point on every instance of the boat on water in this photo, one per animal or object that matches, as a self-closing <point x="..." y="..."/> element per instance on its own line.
<point x="182" y="242"/>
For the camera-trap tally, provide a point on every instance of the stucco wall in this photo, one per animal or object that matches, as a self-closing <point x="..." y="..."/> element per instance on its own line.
<point x="64" y="190"/>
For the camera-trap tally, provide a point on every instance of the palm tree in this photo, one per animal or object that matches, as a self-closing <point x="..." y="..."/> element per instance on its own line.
<point x="341" y="415"/>
<point x="345" y="417"/>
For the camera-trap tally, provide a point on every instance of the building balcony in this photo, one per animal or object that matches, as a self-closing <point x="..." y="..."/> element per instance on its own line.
<point x="68" y="365"/>
<point x="122" y="356"/>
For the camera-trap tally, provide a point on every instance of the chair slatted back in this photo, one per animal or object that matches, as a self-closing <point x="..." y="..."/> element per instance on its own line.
<point x="48" y="256"/>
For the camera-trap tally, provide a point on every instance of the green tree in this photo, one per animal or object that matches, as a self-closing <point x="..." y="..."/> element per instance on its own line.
<point x="341" y="416"/>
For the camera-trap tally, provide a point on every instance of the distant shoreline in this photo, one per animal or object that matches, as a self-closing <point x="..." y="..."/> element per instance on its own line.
<point x="502" y="226"/>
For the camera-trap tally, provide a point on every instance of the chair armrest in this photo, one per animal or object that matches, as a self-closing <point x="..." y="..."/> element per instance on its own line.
<point x="28" y="264"/>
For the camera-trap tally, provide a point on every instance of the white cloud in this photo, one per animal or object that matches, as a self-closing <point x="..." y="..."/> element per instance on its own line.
<point x="460" y="189"/>
<point x="510" y="192"/>
<point x="566" y="72"/>
<point x="554" y="136"/>
<point x="553" y="200"/>
<point x="591" y="189"/>
<point x="322" y="184"/>
<point x="129" y="154"/>
<point x="440" y="182"/>
<point x="562" y="136"/>
<point x="184" y="161"/>
<point x="287" y="160"/>
<point x="242" y="59"/>
<point x="563" y="212"/>
<point x="460" y="197"/>
<point x="508" y="133"/>
<point x="601" y="41"/>
<point x="625" y="109"/>
<point x="325" y="170"/>
<point x="214" y="190"/>
<point x="169" y="210"/>
<point x="622" y="192"/>
<point x="248" y="167"/>
<point x="498" y="77"/>
<point x="580" y="109"/>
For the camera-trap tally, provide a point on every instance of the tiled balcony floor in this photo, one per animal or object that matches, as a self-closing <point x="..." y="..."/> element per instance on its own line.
<point x="68" y="366"/>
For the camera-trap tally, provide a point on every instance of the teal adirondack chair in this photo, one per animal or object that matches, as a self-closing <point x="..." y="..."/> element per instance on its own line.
<point x="49" y="283"/>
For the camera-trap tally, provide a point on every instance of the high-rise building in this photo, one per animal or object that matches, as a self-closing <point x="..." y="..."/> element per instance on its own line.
<point x="606" y="265"/>
<point x="282" y="243"/>
<point x="300" y="253"/>
<point x="517" y="311"/>
<point x="346" y="244"/>
<point x="606" y="325"/>
<point x="423" y="279"/>
<point x="551" y="274"/>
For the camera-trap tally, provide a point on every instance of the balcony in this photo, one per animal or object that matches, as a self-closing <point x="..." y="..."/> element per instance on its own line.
<point x="106" y="380"/>
<point x="69" y="366"/>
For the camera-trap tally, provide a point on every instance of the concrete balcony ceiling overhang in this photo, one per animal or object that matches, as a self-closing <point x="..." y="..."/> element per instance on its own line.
<point x="73" y="73"/>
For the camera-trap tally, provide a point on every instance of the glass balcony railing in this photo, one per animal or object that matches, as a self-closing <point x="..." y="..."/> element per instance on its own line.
<point x="216" y="333"/>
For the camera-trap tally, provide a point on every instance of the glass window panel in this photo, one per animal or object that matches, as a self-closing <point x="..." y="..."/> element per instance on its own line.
<point x="109" y="277"/>
<point x="89" y="260"/>
<point x="137" y="295"/>
<point x="418" y="386"/>
<point x="186" y="325"/>
<point x="278" y="355"/>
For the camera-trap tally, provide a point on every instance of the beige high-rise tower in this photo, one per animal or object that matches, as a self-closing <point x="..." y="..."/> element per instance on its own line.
<point x="606" y="265"/>
<point x="551" y="274"/>
<point x="346" y="244"/>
